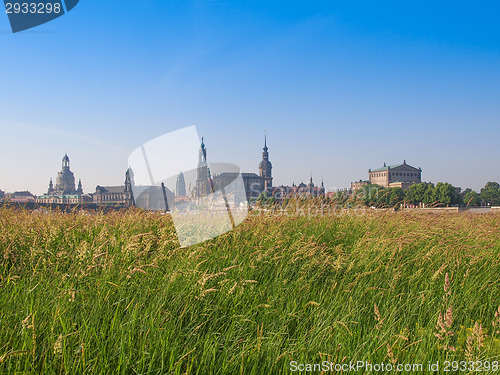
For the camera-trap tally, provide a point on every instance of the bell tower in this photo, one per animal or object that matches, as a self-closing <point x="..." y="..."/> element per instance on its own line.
<point x="203" y="180"/>
<point x="265" y="167"/>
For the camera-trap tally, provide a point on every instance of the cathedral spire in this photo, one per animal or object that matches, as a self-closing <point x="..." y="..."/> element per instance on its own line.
<point x="265" y="166"/>
<point x="203" y="151"/>
<point x="204" y="182"/>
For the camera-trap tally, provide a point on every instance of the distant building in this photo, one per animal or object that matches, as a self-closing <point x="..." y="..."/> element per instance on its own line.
<point x="180" y="186"/>
<point x="265" y="168"/>
<point x="398" y="175"/>
<point x="64" y="199"/>
<point x="359" y="184"/>
<point x="2" y="194"/>
<point x="64" y="192"/>
<point x="204" y="183"/>
<point x="155" y="198"/>
<point x="254" y="185"/>
<point x="115" y="195"/>
<point x="302" y="190"/>
<point x="65" y="181"/>
<point x="20" y="197"/>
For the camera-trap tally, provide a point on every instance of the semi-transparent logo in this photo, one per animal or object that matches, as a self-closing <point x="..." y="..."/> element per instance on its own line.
<point x="26" y="14"/>
<point x="171" y="174"/>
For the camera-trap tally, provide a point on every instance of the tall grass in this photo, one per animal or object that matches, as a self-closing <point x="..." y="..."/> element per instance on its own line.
<point x="94" y="293"/>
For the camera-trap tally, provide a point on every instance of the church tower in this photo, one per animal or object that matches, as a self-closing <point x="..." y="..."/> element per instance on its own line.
<point x="79" y="190"/>
<point x="265" y="168"/>
<point x="203" y="181"/>
<point x="129" y="182"/>
<point x="310" y="187"/>
<point x="51" y="187"/>
<point x="180" y="186"/>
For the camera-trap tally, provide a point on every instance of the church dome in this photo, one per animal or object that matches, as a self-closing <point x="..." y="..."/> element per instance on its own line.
<point x="65" y="181"/>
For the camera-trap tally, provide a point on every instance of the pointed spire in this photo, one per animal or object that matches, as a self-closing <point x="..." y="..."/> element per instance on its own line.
<point x="203" y="150"/>
<point x="265" y="143"/>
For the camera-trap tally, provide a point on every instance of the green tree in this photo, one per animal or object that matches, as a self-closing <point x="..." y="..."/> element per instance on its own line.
<point x="416" y="192"/>
<point x="369" y="194"/>
<point x="430" y="195"/>
<point x="471" y="198"/>
<point x="491" y="193"/>
<point x="445" y="194"/>
<point x="396" y="196"/>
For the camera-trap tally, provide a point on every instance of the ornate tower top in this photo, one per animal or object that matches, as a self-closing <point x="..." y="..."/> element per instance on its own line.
<point x="79" y="190"/>
<point x="265" y="154"/>
<point x="203" y="153"/>
<point x="51" y="187"/>
<point x="65" y="162"/>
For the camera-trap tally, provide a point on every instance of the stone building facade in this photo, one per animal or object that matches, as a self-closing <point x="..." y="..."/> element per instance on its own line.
<point x="254" y="185"/>
<point x="398" y="175"/>
<point x="115" y="195"/>
<point x="20" y="197"/>
<point x="301" y="190"/>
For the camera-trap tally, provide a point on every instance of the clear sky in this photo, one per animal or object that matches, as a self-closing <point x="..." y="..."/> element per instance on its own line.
<point x="340" y="86"/>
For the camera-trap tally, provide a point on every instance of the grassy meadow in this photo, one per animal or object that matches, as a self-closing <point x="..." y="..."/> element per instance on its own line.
<point x="114" y="293"/>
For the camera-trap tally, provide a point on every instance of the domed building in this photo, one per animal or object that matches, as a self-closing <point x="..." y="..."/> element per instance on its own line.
<point x="65" y="181"/>
<point x="64" y="192"/>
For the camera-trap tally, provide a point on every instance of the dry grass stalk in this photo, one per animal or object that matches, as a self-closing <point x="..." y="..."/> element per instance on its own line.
<point x="390" y="354"/>
<point x="445" y="321"/>
<point x="378" y="317"/>
<point x="447" y="289"/>
<point x="58" y="345"/>
<point x="475" y="341"/>
<point x="496" y="321"/>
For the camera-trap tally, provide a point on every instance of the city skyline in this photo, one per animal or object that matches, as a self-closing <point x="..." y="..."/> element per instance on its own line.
<point x="339" y="90"/>
<point x="67" y="183"/>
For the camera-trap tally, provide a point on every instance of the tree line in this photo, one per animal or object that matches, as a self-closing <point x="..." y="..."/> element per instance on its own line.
<point x="426" y="194"/>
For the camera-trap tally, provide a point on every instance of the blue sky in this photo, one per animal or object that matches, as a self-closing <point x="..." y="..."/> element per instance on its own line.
<point x="340" y="87"/>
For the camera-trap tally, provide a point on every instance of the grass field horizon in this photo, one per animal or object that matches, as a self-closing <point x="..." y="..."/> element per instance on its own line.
<point x="113" y="293"/>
